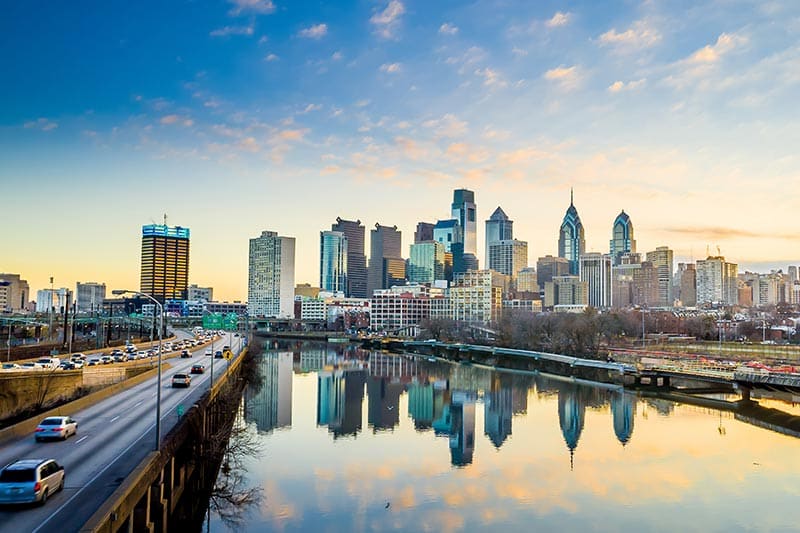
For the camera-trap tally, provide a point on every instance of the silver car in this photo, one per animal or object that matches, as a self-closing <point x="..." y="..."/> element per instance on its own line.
<point x="30" y="481"/>
<point x="56" y="427"/>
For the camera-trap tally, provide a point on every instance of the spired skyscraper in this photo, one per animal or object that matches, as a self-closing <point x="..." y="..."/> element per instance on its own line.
<point x="498" y="228"/>
<point x="571" y="240"/>
<point x="622" y="240"/>
<point x="356" y="269"/>
<point x="165" y="262"/>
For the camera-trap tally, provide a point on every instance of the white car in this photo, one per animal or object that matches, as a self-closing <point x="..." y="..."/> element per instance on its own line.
<point x="56" y="427"/>
<point x="11" y="366"/>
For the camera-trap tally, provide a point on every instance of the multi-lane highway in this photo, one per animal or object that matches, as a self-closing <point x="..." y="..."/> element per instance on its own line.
<point x="113" y="437"/>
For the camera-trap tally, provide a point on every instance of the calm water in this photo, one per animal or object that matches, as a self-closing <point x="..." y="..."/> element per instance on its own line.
<point x="351" y="440"/>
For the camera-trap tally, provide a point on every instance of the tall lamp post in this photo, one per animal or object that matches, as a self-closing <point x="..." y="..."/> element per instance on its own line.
<point x="160" y="307"/>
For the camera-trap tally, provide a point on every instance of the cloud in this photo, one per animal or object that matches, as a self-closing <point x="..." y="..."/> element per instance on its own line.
<point x="448" y="29"/>
<point x="721" y="233"/>
<point x="337" y="56"/>
<point x="270" y="58"/>
<point x="491" y="78"/>
<point x="311" y="107"/>
<point x="291" y="135"/>
<point x="387" y="21"/>
<point x="410" y="148"/>
<point x="712" y="53"/>
<point x="227" y="31"/>
<point x="261" y="7"/>
<point x="447" y="126"/>
<point x="318" y="31"/>
<point x="43" y="124"/>
<point x="176" y="119"/>
<point x="390" y="68"/>
<point x="566" y="77"/>
<point x="559" y="19"/>
<point x="619" y="86"/>
<point x="639" y="35"/>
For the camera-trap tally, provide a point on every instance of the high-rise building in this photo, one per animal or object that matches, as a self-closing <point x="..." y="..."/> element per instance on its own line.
<point x="661" y="258"/>
<point x="792" y="270"/>
<point x="332" y="261"/>
<point x="476" y="296"/>
<point x="270" y="282"/>
<point x="463" y="209"/>
<point x="566" y="293"/>
<point x="55" y="300"/>
<point x="527" y="281"/>
<point x="622" y="284"/>
<point x="426" y="262"/>
<point x="498" y="228"/>
<point x="448" y="232"/>
<point x="165" y="262"/>
<point x="622" y="240"/>
<point x="595" y="270"/>
<point x="548" y="267"/>
<point x="688" y="284"/>
<point x="571" y="240"/>
<point x="197" y="293"/>
<point x="717" y="282"/>
<point x="424" y="232"/>
<point x="356" y="260"/>
<point x="508" y="257"/>
<point x="90" y="296"/>
<point x="14" y="293"/>
<point x="386" y="265"/>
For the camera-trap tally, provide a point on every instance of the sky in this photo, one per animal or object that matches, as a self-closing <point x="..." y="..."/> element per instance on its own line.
<point x="238" y="116"/>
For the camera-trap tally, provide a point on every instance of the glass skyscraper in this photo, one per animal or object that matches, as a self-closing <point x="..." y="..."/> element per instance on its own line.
<point x="165" y="262"/>
<point x="622" y="240"/>
<point x="426" y="262"/>
<point x="464" y="210"/>
<point x="571" y="240"/>
<point x="332" y="261"/>
<point x="356" y="269"/>
<point x="498" y="228"/>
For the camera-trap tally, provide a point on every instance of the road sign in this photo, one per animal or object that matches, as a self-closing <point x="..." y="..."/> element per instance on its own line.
<point x="230" y="322"/>
<point x="212" y="321"/>
<point x="180" y="410"/>
<point x="228" y="355"/>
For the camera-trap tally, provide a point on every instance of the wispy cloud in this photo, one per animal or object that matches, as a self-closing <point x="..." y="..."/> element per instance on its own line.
<point x="640" y="35"/>
<point x="559" y="19"/>
<point x="619" y="86"/>
<point x="310" y="107"/>
<point x="721" y="233"/>
<point x="261" y="7"/>
<point x="448" y="29"/>
<point x="700" y="65"/>
<point x="567" y="78"/>
<point x="491" y="78"/>
<point x="271" y="57"/>
<point x="44" y="124"/>
<point x="712" y="53"/>
<point x="387" y="21"/>
<point x="447" y="126"/>
<point x="316" y="31"/>
<point x="168" y="120"/>
<point x="226" y="31"/>
<point x="390" y="68"/>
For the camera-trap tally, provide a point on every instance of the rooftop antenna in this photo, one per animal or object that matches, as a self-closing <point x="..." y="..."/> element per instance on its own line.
<point x="165" y="219"/>
<point x="719" y="252"/>
<point x="708" y="253"/>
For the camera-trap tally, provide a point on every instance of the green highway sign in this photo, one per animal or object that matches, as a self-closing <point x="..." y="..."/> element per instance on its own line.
<point x="213" y="321"/>
<point x="230" y="322"/>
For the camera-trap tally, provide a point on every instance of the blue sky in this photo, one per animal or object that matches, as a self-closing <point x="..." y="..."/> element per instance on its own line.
<point x="238" y="116"/>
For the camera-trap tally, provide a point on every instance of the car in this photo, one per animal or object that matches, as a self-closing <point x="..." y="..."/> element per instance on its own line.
<point x="116" y="352"/>
<point x="32" y="366"/>
<point x="11" y="366"/>
<point x="235" y="334"/>
<point x="49" y="362"/>
<point x="198" y="369"/>
<point x="209" y="352"/>
<point x="67" y="365"/>
<point x="218" y="354"/>
<point x="181" y="380"/>
<point x="78" y="363"/>
<point x="120" y="358"/>
<point x="30" y="481"/>
<point x="56" y="427"/>
<point x="94" y="362"/>
<point x="141" y="354"/>
<point x="106" y="359"/>
<point x="185" y="354"/>
<point x="78" y="356"/>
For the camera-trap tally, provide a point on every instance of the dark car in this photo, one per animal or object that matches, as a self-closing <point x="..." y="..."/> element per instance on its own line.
<point x="218" y="354"/>
<point x="181" y="380"/>
<point x="185" y="354"/>
<point x="198" y="369"/>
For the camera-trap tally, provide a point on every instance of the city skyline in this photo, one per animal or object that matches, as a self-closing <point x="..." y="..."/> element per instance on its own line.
<point x="244" y="117"/>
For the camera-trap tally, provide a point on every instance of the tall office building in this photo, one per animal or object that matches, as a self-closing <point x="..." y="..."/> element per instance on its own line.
<point x="448" y="232"/>
<point x="270" y="282"/>
<point x="386" y="264"/>
<point x="508" y="257"/>
<point x="55" y="300"/>
<point x="14" y="293"/>
<point x="661" y="258"/>
<point x="90" y="296"/>
<point x="165" y="262"/>
<point x="424" y="232"/>
<point x="498" y="228"/>
<point x="356" y="260"/>
<point x="548" y="267"/>
<point x="463" y="210"/>
<point x="622" y="240"/>
<point x="426" y="262"/>
<point x="571" y="240"/>
<point x="527" y="281"/>
<point x="332" y="261"/>
<point x="197" y="293"/>
<point x="717" y="282"/>
<point x="595" y="270"/>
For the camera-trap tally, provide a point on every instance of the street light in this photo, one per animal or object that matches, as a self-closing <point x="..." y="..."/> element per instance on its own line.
<point x="119" y="292"/>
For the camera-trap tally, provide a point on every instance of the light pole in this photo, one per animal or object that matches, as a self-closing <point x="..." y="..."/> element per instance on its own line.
<point x="158" y="382"/>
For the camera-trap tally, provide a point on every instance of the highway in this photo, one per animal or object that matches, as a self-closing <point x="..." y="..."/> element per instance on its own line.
<point x="113" y="437"/>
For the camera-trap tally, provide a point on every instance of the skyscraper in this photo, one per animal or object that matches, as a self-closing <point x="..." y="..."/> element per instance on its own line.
<point x="90" y="296"/>
<point x="270" y="282"/>
<point x="498" y="228"/>
<point x="463" y="210"/>
<point x="622" y="240"/>
<point x="596" y="272"/>
<point x="448" y="232"/>
<point x="14" y="293"/>
<point x="386" y="264"/>
<point x="424" y="232"/>
<point x="548" y="267"/>
<point x="717" y="282"/>
<point x="165" y="262"/>
<point x="332" y="261"/>
<point x="508" y="257"/>
<point x="356" y="260"/>
<point x="426" y="262"/>
<point x="571" y="241"/>
<point x="661" y="258"/>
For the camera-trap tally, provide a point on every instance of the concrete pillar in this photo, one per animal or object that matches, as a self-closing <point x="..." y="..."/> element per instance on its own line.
<point x="745" y="393"/>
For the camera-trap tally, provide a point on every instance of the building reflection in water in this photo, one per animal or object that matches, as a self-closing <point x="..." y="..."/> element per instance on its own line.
<point x="339" y="397"/>
<point x="462" y="427"/>
<point x="571" y="413"/>
<point x="498" y="409"/>
<point x="270" y="406"/>
<point x="623" y="410"/>
<point x="383" y="396"/>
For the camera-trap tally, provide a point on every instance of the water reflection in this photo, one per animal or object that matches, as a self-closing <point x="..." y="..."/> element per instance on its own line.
<point x="270" y="405"/>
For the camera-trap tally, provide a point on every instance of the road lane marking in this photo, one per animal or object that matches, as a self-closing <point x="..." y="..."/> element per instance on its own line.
<point x="81" y="439"/>
<point x="137" y="404"/>
<point x="114" y="418"/>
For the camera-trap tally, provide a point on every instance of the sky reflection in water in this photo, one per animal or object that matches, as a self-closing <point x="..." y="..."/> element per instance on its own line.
<point x="367" y="441"/>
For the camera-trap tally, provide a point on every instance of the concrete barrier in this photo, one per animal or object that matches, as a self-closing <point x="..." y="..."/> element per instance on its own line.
<point x="26" y="427"/>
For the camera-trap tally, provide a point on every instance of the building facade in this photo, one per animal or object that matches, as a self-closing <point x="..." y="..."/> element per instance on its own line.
<point x="571" y="239"/>
<point x="426" y="262"/>
<point x="424" y="232"/>
<point x="165" y="262"/>
<point x="14" y="293"/>
<point x="476" y="296"/>
<point x="566" y="293"/>
<point x="356" y="271"/>
<point x="90" y="296"/>
<point x="661" y="258"/>
<point x="498" y="228"/>
<point x="463" y="209"/>
<point x="386" y="264"/>
<point x="270" y="283"/>
<point x="548" y="267"/>
<point x="201" y="293"/>
<point x="55" y="300"/>
<point x="595" y="270"/>
<point x="717" y="282"/>
<point x="508" y="257"/>
<point x="401" y="307"/>
<point x="622" y="240"/>
<point x="527" y="281"/>
<point x="333" y="261"/>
